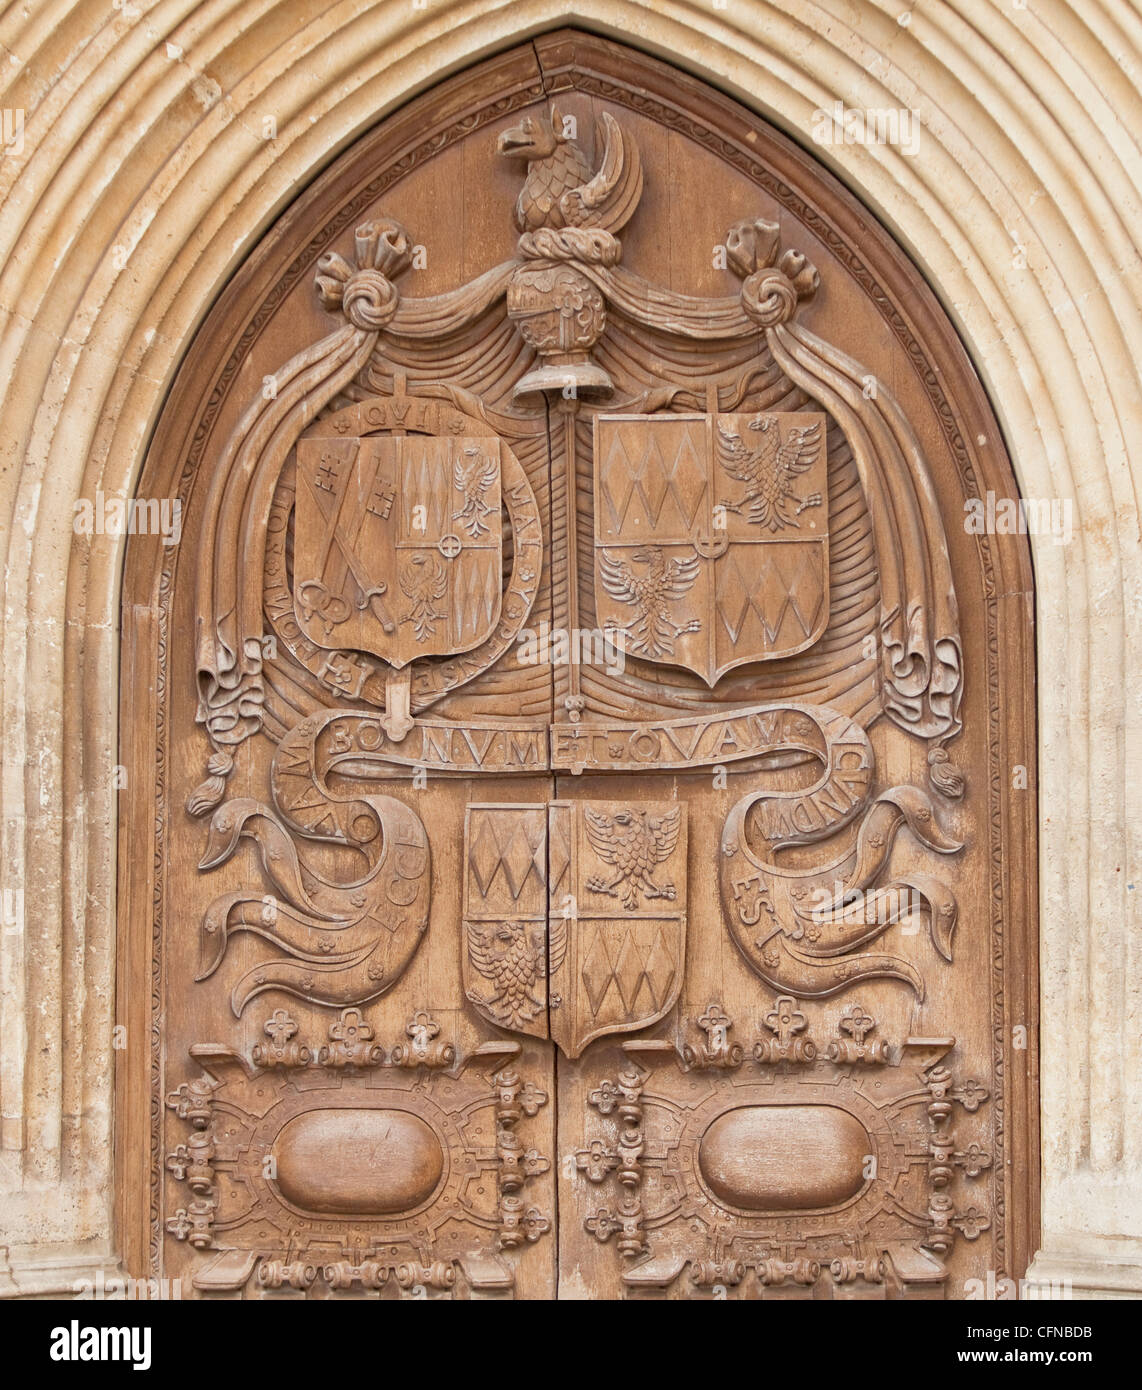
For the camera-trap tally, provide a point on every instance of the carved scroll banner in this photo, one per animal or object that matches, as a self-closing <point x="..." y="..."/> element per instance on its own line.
<point x="801" y="929"/>
<point x="574" y="916"/>
<point x="711" y="536"/>
<point x="345" y="943"/>
<point x="346" y="744"/>
<point x="755" y="738"/>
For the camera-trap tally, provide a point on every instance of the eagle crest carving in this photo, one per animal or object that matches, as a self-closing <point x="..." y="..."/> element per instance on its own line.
<point x="634" y="842"/>
<point x="650" y="589"/>
<point x="561" y="189"/>
<point x="515" y="957"/>
<point x="770" y="471"/>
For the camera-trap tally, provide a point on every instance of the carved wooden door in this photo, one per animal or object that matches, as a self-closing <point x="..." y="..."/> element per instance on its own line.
<point x="575" y="745"/>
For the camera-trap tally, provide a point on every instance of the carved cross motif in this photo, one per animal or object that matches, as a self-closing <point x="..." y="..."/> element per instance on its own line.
<point x="351" y="1028"/>
<point x="350" y="1043"/>
<point x="192" y="1101"/>
<point x="716" y="1024"/>
<point x="327" y="473"/>
<point x="974" y="1160"/>
<point x="421" y="1029"/>
<point x="972" y="1223"/>
<point x="596" y="1161"/>
<point x="717" y="1051"/>
<point x="179" y="1161"/>
<point x="602" y="1225"/>
<point x="970" y="1095"/>
<point x="786" y="1021"/>
<point x="856" y="1023"/>
<point x="279" y="1028"/>
<point x="605" y="1097"/>
<point x="381" y="501"/>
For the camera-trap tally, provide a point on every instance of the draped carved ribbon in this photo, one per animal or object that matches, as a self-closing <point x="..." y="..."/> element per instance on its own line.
<point x="231" y="693"/>
<point x="801" y="928"/>
<point x="921" y="654"/>
<point x="919" y="622"/>
<point x="353" y="748"/>
<point x="229" y="649"/>
<point x="346" y="942"/>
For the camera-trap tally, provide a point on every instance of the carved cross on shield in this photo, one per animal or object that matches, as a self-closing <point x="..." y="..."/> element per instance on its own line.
<point x="398" y="544"/>
<point x="711" y="536"/>
<point x="574" y="916"/>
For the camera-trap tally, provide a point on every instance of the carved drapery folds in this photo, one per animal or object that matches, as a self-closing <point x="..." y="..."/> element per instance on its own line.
<point x="229" y="602"/>
<point x="556" y="292"/>
<point x="919" y="622"/>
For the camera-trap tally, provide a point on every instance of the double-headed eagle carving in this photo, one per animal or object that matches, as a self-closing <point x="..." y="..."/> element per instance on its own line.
<point x="634" y="842"/>
<point x="770" y="471"/>
<point x="473" y="477"/>
<point x="561" y="190"/>
<point x="650" y="591"/>
<point x="514" y="960"/>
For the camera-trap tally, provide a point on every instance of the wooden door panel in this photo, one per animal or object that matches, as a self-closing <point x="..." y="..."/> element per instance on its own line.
<point x="590" y="764"/>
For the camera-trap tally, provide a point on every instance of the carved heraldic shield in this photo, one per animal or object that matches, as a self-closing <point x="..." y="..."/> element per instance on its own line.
<point x="711" y="536"/>
<point x="575" y="916"/>
<point x="398" y="544"/>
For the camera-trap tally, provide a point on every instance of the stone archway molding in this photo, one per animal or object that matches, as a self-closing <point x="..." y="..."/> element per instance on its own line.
<point x="148" y="147"/>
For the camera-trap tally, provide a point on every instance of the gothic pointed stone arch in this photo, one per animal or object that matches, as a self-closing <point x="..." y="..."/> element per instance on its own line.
<point x="1017" y="206"/>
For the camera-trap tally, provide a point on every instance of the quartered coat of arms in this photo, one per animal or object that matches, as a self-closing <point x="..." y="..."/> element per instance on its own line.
<point x="700" y="541"/>
<point x="399" y="548"/>
<point x="578" y="671"/>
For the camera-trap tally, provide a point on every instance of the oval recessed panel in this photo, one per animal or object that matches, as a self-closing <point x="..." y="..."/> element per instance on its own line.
<point x="784" y="1157"/>
<point x="358" y="1162"/>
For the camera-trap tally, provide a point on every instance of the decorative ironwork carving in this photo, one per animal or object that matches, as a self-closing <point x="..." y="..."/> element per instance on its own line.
<point x="429" y="1190"/>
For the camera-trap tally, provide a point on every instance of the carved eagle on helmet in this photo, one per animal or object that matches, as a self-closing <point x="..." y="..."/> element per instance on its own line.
<point x="634" y="841"/>
<point x="560" y="189"/>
